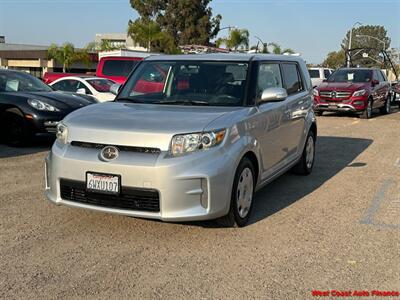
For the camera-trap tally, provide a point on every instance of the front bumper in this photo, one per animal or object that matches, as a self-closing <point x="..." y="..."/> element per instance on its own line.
<point x="354" y="104"/>
<point x="192" y="187"/>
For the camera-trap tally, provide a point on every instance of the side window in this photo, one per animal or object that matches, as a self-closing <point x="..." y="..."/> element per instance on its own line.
<point x="292" y="78"/>
<point x="269" y="75"/>
<point x="382" y="76"/>
<point x="82" y="86"/>
<point x="326" y="73"/>
<point x="58" y="86"/>
<point x="67" y="85"/>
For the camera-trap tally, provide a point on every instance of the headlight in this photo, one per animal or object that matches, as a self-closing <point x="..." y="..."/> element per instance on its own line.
<point x="62" y="133"/>
<point x="315" y="92"/>
<point x="40" y="105"/>
<point x="184" y="143"/>
<point x="359" y="93"/>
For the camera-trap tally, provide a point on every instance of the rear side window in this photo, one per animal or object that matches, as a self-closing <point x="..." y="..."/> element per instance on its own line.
<point x="326" y="73"/>
<point x="118" y="67"/>
<point x="314" y="73"/>
<point x="291" y="78"/>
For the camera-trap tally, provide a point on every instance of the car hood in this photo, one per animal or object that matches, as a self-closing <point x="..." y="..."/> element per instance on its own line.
<point x="58" y="99"/>
<point x="140" y="125"/>
<point x="341" y="86"/>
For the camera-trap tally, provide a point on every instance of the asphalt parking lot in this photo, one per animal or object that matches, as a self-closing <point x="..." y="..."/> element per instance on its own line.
<point x="338" y="228"/>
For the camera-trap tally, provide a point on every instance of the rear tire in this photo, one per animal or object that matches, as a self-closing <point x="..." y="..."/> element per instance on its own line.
<point x="241" y="197"/>
<point x="306" y="162"/>
<point x="367" y="113"/>
<point x="387" y="107"/>
<point x="14" y="129"/>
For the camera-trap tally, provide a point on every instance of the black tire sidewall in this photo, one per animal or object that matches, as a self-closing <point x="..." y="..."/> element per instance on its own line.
<point x="8" y="117"/>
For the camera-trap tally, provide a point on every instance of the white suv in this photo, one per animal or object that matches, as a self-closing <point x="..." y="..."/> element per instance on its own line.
<point x="318" y="75"/>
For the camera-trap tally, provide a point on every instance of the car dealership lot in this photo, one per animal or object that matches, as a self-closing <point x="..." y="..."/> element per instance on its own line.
<point x="338" y="228"/>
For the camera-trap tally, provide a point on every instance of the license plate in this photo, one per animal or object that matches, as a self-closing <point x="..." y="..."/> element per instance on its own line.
<point x="103" y="183"/>
<point x="332" y="106"/>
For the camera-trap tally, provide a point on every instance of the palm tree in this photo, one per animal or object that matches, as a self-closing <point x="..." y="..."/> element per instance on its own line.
<point x="277" y="49"/>
<point x="236" y="38"/>
<point x="67" y="55"/>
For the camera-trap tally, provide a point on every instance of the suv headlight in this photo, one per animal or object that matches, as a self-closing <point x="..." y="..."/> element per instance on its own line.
<point x="62" y="133"/>
<point x="315" y="92"/>
<point x="185" y="143"/>
<point x="359" y="93"/>
<point x="42" y="106"/>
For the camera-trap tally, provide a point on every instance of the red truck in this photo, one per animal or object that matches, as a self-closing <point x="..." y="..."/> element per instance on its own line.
<point x="358" y="90"/>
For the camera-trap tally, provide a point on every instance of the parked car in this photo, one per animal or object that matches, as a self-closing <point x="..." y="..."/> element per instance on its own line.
<point x="358" y="90"/>
<point x="396" y="93"/>
<point x="318" y="75"/>
<point x="28" y="106"/>
<point x="49" y="77"/>
<point x="95" y="86"/>
<point x="222" y="127"/>
<point x="116" y="68"/>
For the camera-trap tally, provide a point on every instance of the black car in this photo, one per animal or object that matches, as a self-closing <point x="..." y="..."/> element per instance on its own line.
<point x="28" y="106"/>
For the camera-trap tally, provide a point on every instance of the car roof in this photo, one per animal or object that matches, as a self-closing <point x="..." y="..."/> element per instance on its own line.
<point x="225" y="57"/>
<point x="84" y="77"/>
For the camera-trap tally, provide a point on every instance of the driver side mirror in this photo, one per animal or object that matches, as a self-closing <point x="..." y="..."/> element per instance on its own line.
<point x="274" y="94"/>
<point x="114" y="89"/>
<point x="374" y="82"/>
<point x="81" y="91"/>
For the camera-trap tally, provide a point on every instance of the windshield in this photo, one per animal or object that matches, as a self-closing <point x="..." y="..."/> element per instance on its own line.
<point x="314" y="73"/>
<point x="101" y="85"/>
<point x="187" y="82"/>
<point x="21" y="82"/>
<point x="351" y="75"/>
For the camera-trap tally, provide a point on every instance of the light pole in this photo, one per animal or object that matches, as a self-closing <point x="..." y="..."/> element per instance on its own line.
<point x="349" y="47"/>
<point x="372" y="37"/>
<point x="262" y="43"/>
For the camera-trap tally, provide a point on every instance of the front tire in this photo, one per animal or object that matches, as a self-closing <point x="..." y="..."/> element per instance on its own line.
<point x="241" y="197"/>
<point x="306" y="162"/>
<point x="14" y="130"/>
<point x="367" y="113"/>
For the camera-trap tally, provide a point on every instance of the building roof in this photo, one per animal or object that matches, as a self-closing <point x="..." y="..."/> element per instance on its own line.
<point x="21" y="47"/>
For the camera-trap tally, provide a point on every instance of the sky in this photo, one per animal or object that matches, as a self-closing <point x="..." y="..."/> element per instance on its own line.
<point x="310" y="27"/>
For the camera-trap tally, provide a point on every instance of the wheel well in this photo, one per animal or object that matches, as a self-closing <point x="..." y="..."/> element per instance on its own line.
<point x="253" y="158"/>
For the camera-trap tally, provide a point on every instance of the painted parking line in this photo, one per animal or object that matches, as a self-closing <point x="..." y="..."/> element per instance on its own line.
<point x="368" y="219"/>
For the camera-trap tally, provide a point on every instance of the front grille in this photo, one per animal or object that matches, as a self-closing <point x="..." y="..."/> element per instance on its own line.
<point x="129" y="198"/>
<point x="335" y="94"/>
<point x="121" y="148"/>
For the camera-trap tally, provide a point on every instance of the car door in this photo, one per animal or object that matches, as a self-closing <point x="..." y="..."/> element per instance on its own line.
<point x="385" y="86"/>
<point x="271" y="119"/>
<point x="296" y="108"/>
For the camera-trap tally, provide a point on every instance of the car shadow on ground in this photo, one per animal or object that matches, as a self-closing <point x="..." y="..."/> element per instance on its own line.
<point x="38" y="144"/>
<point x="333" y="155"/>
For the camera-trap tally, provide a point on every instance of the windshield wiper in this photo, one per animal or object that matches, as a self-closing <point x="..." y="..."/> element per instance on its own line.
<point x="184" y="102"/>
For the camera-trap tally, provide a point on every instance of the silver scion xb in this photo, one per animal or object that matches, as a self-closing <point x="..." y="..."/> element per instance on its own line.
<point x="189" y="137"/>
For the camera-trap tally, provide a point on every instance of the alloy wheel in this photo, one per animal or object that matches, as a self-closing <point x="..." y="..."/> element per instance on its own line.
<point x="310" y="152"/>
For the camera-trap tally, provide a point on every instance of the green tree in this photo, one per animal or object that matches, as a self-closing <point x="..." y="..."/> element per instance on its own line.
<point x="367" y="36"/>
<point x="334" y="59"/>
<point x="67" y="55"/>
<point x="237" y="38"/>
<point x="104" y="45"/>
<point x="145" y="32"/>
<point x="277" y="49"/>
<point x="167" y="24"/>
